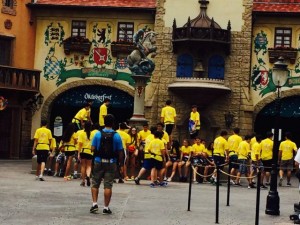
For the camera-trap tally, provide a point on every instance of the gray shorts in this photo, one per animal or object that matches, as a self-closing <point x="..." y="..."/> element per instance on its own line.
<point x="287" y="164"/>
<point x="105" y="171"/>
<point x="243" y="169"/>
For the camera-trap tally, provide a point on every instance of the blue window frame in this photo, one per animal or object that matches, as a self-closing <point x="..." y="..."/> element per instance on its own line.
<point x="185" y="65"/>
<point x="216" y="67"/>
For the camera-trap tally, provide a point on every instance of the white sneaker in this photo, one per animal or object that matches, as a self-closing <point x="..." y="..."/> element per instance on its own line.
<point x="232" y="182"/>
<point x="169" y="179"/>
<point x="165" y="179"/>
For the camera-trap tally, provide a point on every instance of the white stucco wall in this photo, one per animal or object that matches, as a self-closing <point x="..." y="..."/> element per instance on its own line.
<point x="221" y="10"/>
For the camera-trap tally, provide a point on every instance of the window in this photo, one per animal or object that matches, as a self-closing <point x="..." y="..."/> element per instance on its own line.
<point x="185" y="66"/>
<point x="216" y="67"/>
<point x="125" y="32"/>
<point x="9" y="3"/>
<point x="5" y="53"/>
<point x="283" y="37"/>
<point x="9" y="7"/>
<point x="78" y="28"/>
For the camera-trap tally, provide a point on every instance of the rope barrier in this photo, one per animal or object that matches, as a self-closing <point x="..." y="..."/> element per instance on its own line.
<point x="201" y="175"/>
<point x="236" y="176"/>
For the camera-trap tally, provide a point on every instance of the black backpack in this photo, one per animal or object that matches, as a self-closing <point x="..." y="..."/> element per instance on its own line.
<point x="106" y="150"/>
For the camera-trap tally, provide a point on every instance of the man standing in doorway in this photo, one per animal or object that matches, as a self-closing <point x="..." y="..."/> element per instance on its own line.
<point x="168" y="117"/>
<point x="81" y="116"/>
<point x="106" y="145"/>
<point x="194" y="123"/>
<point x="103" y="112"/>
<point x="41" y="147"/>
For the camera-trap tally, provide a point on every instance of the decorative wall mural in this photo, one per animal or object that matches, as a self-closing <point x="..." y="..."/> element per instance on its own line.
<point x="77" y="64"/>
<point x="261" y="78"/>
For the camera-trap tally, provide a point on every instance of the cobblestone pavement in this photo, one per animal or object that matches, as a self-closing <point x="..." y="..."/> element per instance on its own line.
<point x="26" y="201"/>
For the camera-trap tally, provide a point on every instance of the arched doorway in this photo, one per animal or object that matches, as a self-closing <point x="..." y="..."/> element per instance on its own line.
<point x="68" y="103"/>
<point x="289" y="118"/>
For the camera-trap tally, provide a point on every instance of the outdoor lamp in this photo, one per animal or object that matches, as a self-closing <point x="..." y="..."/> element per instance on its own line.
<point x="279" y="76"/>
<point x="280" y="73"/>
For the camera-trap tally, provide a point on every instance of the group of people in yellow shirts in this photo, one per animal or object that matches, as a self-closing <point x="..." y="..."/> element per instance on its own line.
<point x="246" y="156"/>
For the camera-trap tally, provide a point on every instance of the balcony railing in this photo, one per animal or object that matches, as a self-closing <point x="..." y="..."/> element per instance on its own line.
<point x="19" y="79"/>
<point x="202" y="34"/>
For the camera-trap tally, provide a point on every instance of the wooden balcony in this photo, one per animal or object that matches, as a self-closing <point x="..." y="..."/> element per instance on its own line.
<point x="201" y="37"/>
<point x="12" y="78"/>
<point x="289" y="54"/>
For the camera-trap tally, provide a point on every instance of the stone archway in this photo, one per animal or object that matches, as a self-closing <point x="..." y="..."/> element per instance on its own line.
<point x="260" y="105"/>
<point x="101" y="82"/>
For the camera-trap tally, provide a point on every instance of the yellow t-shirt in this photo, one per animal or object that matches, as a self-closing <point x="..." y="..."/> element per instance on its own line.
<point x="197" y="149"/>
<point x="233" y="143"/>
<point x="81" y="115"/>
<point x="125" y="138"/>
<point x="287" y="147"/>
<point x="43" y="136"/>
<point x="266" y="149"/>
<point x="142" y="135"/>
<point x="70" y="146"/>
<point x="169" y="114"/>
<point x="53" y="144"/>
<point x="253" y="140"/>
<point x="243" y="149"/>
<point x="156" y="147"/>
<point x="256" y="150"/>
<point x="166" y="137"/>
<point x="208" y="152"/>
<point x="102" y="113"/>
<point x="148" y="140"/>
<point x="220" y="146"/>
<point x="195" y="116"/>
<point x="76" y="136"/>
<point x="86" y="142"/>
<point x="186" y="150"/>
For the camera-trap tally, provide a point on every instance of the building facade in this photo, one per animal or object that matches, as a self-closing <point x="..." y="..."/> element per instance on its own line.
<point x="19" y="81"/>
<point x="275" y="34"/>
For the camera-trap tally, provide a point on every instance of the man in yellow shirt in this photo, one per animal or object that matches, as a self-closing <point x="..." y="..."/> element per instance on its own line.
<point x="286" y="150"/>
<point x="41" y="147"/>
<point x="243" y="149"/>
<point x="198" y="156"/>
<point x="221" y="152"/>
<point x="267" y="156"/>
<point x="194" y="122"/>
<point x="157" y="150"/>
<point x="81" y="117"/>
<point x="125" y="141"/>
<point x="147" y="162"/>
<point x="103" y="112"/>
<point x="168" y="117"/>
<point x="256" y="162"/>
<point x="233" y="144"/>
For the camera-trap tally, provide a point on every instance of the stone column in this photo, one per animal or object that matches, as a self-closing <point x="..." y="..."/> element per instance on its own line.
<point x="138" y="117"/>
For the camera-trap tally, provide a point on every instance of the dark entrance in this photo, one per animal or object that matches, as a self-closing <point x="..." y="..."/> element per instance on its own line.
<point x="289" y="118"/>
<point x="70" y="102"/>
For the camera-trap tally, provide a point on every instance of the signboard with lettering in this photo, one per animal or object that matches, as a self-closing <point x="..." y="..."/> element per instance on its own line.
<point x="78" y="96"/>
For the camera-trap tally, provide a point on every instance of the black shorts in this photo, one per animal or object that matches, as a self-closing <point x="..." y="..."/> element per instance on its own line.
<point x="157" y="164"/>
<point x="173" y="159"/>
<point x="233" y="159"/>
<point x="219" y="160"/>
<point x="195" y="134"/>
<point x="70" y="153"/>
<point x="41" y="156"/>
<point x="267" y="165"/>
<point x="169" y="128"/>
<point x="86" y="156"/>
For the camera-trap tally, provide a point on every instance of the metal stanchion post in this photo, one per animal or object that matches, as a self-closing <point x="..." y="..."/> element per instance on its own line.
<point x="228" y="184"/>
<point x="190" y="188"/>
<point x="217" y="194"/>
<point x="257" y="197"/>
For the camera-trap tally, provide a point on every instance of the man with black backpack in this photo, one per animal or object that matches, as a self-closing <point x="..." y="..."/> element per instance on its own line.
<point x="107" y="146"/>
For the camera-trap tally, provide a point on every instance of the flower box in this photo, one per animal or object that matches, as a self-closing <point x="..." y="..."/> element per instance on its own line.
<point x="77" y="44"/>
<point x="118" y="47"/>
<point x="287" y="53"/>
